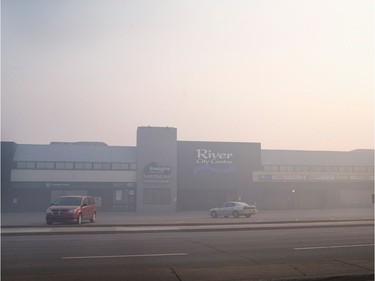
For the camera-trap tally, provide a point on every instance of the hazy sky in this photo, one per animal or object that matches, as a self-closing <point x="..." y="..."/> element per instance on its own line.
<point x="291" y="74"/>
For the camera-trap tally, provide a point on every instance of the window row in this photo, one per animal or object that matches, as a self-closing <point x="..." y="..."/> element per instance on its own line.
<point x="343" y="169"/>
<point x="74" y="166"/>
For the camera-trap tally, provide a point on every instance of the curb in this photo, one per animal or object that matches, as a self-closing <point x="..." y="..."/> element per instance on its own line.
<point x="348" y="277"/>
<point x="117" y="229"/>
<point x="184" y="224"/>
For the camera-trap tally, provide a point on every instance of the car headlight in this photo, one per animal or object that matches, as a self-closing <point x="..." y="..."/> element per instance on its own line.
<point x="49" y="211"/>
<point x="72" y="211"/>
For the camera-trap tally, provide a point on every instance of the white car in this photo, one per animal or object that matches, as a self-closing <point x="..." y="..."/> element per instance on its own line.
<point x="234" y="209"/>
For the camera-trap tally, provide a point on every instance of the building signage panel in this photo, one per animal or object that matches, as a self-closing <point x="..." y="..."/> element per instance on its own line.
<point x="312" y="177"/>
<point x="57" y="184"/>
<point x="157" y="174"/>
<point x="217" y="166"/>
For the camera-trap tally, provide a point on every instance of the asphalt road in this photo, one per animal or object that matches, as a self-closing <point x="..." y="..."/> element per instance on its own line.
<point x="198" y="256"/>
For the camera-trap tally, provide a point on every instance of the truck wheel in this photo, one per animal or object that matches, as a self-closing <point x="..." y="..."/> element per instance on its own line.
<point x="79" y="220"/>
<point x="93" y="219"/>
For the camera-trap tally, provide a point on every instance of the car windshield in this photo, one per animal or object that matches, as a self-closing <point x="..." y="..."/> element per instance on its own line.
<point x="243" y="204"/>
<point x="68" y="201"/>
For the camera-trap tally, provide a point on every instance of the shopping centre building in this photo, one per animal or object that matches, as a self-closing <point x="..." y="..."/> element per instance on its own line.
<point x="163" y="174"/>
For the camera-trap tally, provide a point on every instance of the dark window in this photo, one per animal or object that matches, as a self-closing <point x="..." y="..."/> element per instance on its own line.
<point x="60" y="165"/>
<point x="64" y="165"/>
<point x="21" y="165"/>
<point x="131" y="185"/>
<point x="133" y="167"/>
<point x="316" y="169"/>
<point x="156" y="196"/>
<point x="40" y="165"/>
<point x="360" y="169"/>
<point x="330" y="168"/>
<point x="68" y="166"/>
<point x="30" y="165"/>
<point x="97" y="166"/>
<point x="120" y="166"/>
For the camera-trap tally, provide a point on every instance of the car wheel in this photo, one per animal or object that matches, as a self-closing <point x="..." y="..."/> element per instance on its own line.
<point x="49" y="222"/>
<point x="79" y="220"/>
<point x="93" y="219"/>
<point x="236" y="214"/>
<point x="214" y="214"/>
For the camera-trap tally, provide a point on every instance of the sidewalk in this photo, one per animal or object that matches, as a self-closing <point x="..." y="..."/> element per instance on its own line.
<point x="345" y="270"/>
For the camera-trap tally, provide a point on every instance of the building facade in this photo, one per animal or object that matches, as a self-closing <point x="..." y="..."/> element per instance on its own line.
<point x="162" y="174"/>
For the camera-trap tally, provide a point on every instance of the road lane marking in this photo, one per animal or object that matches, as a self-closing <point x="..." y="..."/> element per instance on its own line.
<point x="125" y="256"/>
<point x="333" y="247"/>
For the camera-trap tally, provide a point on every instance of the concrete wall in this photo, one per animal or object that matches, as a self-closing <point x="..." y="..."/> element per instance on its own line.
<point x="156" y="169"/>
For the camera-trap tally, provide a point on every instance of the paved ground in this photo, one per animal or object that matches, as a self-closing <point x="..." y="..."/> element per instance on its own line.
<point x="119" y="222"/>
<point x="199" y="217"/>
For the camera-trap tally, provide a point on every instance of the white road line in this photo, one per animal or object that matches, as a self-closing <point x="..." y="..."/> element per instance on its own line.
<point x="333" y="247"/>
<point x="125" y="256"/>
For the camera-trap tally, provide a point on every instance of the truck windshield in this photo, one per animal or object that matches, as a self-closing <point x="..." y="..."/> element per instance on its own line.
<point x="68" y="201"/>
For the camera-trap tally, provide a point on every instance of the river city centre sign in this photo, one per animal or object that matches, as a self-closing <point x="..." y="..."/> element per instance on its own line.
<point x="212" y="161"/>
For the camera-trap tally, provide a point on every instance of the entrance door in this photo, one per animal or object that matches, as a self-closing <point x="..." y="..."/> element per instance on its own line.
<point x="124" y="200"/>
